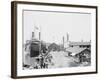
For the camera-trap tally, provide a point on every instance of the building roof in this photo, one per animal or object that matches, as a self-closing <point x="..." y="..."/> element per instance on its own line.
<point x="75" y="50"/>
<point x="79" y="43"/>
<point x="53" y="46"/>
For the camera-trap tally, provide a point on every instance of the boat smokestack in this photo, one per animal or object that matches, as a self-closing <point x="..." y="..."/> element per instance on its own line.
<point x="39" y="35"/>
<point x="63" y="41"/>
<point x="32" y="35"/>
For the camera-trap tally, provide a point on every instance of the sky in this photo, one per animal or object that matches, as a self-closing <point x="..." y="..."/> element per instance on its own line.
<point x="55" y="25"/>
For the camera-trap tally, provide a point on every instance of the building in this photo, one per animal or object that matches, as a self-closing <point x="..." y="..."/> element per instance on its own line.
<point x="80" y="50"/>
<point x="80" y="44"/>
<point x="82" y="54"/>
<point x="53" y="47"/>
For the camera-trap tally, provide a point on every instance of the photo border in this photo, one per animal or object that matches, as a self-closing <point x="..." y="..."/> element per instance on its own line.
<point x="14" y="37"/>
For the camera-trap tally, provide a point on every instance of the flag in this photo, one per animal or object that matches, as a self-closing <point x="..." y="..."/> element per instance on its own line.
<point x="36" y="28"/>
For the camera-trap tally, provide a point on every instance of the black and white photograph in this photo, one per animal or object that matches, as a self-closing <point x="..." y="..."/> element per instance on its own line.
<point x="56" y="39"/>
<point x="53" y="39"/>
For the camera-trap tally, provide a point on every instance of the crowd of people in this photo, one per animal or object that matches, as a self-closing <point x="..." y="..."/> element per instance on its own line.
<point x="43" y="60"/>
